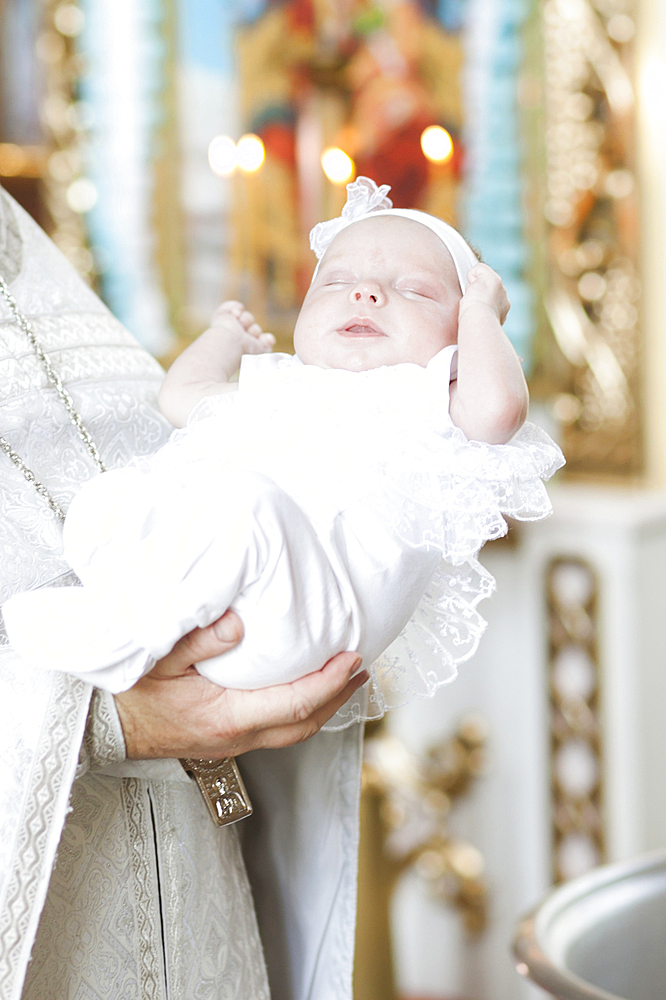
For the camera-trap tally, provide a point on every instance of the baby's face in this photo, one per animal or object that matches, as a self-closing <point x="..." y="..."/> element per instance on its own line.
<point x="386" y="292"/>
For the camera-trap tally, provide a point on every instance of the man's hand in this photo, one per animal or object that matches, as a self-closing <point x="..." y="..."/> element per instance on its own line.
<point x="175" y="712"/>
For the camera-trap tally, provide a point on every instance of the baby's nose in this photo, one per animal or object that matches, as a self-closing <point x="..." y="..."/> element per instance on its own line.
<point x="367" y="291"/>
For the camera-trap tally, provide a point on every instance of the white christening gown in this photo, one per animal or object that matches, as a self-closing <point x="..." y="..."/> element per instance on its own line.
<point x="329" y="508"/>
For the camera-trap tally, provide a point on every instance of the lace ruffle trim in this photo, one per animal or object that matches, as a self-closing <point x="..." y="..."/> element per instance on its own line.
<point x="444" y="631"/>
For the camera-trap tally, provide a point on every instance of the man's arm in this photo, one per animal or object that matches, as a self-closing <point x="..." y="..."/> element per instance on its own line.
<point x="489" y="398"/>
<point x="206" y="366"/>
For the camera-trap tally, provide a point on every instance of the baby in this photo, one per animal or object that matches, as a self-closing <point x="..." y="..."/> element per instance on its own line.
<point x="336" y="499"/>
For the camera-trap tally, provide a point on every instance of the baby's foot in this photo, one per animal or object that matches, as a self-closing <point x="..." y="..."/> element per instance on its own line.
<point x="254" y="340"/>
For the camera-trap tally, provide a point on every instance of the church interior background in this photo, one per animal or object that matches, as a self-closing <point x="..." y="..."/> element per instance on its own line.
<point x="179" y="151"/>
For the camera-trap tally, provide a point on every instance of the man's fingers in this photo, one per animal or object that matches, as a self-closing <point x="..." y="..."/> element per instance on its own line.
<point x="191" y="717"/>
<point x="201" y="644"/>
<point x="293" y="704"/>
<point x="322" y="689"/>
<point x="327" y="711"/>
<point x="299" y="732"/>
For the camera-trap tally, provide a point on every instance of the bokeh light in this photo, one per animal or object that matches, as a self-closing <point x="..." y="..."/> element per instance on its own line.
<point x="81" y="195"/>
<point x="338" y="167"/>
<point x="250" y="153"/>
<point x="222" y="155"/>
<point x="437" y="144"/>
<point x="69" y="19"/>
<point x="12" y="159"/>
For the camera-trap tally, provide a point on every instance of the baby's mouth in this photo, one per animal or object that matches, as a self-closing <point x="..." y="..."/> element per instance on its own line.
<point x="361" y="327"/>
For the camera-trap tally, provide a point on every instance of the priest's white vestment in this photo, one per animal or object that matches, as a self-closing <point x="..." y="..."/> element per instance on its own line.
<point x="114" y="882"/>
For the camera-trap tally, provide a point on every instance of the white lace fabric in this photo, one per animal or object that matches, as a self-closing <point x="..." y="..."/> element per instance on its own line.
<point x="333" y="440"/>
<point x="391" y="488"/>
<point x="383" y="440"/>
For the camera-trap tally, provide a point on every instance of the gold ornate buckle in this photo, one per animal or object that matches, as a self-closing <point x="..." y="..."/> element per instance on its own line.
<point x="222" y="787"/>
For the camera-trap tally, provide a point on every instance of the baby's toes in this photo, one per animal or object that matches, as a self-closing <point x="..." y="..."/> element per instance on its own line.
<point x="248" y="321"/>
<point x="252" y="345"/>
<point x="267" y="341"/>
<point x="232" y="307"/>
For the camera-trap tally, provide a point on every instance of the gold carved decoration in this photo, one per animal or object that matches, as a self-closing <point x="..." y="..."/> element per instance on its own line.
<point x="576" y="745"/>
<point x="591" y="208"/>
<point x="405" y="804"/>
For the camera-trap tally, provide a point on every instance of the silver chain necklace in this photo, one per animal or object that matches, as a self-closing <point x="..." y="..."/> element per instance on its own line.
<point x="64" y="396"/>
<point x="219" y="781"/>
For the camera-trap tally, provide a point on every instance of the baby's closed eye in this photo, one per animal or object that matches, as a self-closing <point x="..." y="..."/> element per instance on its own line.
<point x="416" y="289"/>
<point x="339" y="278"/>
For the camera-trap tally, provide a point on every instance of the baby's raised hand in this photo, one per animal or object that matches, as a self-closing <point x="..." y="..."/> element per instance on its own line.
<point x="485" y="287"/>
<point x="235" y="319"/>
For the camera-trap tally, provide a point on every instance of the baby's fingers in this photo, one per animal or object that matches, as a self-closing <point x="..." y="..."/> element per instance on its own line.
<point x="482" y="270"/>
<point x="485" y="285"/>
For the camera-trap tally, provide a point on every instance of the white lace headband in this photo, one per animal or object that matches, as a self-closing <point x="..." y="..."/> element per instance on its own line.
<point x="365" y="200"/>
